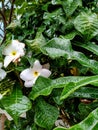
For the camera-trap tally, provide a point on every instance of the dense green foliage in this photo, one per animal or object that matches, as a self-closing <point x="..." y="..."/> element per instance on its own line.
<point x="61" y="34"/>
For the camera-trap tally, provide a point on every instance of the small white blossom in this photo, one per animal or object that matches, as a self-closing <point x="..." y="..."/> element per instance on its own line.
<point x="23" y="115"/>
<point x="30" y="75"/>
<point x="13" y="52"/>
<point x="2" y="73"/>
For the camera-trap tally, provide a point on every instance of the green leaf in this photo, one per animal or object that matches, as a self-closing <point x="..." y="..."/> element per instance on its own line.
<point x="1" y="48"/>
<point x="56" y="96"/>
<point x="58" y="47"/>
<point x="85" y="109"/>
<point x="16" y="104"/>
<point x="83" y="60"/>
<point x="87" y="24"/>
<point x="6" y="86"/>
<point x="41" y="87"/>
<point x="44" y="86"/>
<point x="86" y="92"/>
<point x="71" y="35"/>
<point x="70" y="6"/>
<point x="54" y="16"/>
<point x="91" y="46"/>
<point x="60" y="128"/>
<point x="40" y="40"/>
<point x="45" y="114"/>
<point x="71" y="87"/>
<point x="89" y="123"/>
<point x="54" y="2"/>
<point x="14" y="25"/>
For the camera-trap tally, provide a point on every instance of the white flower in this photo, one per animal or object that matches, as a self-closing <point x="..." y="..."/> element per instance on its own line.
<point x="8" y="116"/>
<point x="2" y="73"/>
<point x="13" y="52"/>
<point x="30" y="75"/>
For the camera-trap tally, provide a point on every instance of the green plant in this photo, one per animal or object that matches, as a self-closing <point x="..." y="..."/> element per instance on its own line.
<point x="63" y="36"/>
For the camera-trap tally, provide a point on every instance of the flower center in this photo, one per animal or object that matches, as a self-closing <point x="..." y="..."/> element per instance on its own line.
<point x="13" y="53"/>
<point x="36" y="73"/>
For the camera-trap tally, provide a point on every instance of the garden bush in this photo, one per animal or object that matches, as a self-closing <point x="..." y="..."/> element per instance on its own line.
<point x="49" y="66"/>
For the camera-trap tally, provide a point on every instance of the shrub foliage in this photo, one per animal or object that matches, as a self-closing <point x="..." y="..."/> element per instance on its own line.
<point x="63" y="36"/>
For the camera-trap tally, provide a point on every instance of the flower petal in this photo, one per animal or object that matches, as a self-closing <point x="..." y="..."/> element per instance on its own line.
<point x="22" y="52"/>
<point x="14" y="46"/>
<point x="26" y="74"/>
<point x="19" y="47"/>
<point x="6" y="114"/>
<point x="37" y="66"/>
<point x="8" y="49"/>
<point x="2" y="74"/>
<point x="45" y="73"/>
<point x="29" y="83"/>
<point x="18" y="44"/>
<point x="7" y="60"/>
<point x="23" y="115"/>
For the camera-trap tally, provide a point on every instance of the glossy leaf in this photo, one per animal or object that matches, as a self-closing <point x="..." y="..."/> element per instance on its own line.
<point x="38" y="42"/>
<point x="86" y="108"/>
<point x="58" y="47"/>
<point x="44" y="86"/>
<point x="86" y="92"/>
<point x="41" y="87"/>
<point x="70" y="6"/>
<point x="64" y="35"/>
<point x="83" y="60"/>
<point x="71" y="35"/>
<point x="45" y="114"/>
<point x="6" y="86"/>
<point x="87" y="24"/>
<point x="89" y="123"/>
<point x="60" y="128"/>
<point x="16" y="104"/>
<point x="14" y="25"/>
<point x="91" y="46"/>
<point x="55" y="15"/>
<point x="71" y="87"/>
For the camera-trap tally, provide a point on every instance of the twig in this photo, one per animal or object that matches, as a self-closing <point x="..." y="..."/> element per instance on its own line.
<point x="1" y="35"/>
<point x="4" y="19"/>
<point x="11" y="11"/>
<point x="20" y="81"/>
<point x="3" y="14"/>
